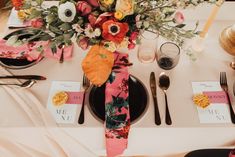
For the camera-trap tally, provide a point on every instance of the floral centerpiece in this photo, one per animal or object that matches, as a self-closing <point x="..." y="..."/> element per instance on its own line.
<point x="111" y="24"/>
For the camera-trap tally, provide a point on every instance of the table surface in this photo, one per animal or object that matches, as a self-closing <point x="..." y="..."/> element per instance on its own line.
<point x="155" y="140"/>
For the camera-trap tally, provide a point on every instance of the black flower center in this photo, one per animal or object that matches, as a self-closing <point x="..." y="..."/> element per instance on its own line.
<point x="68" y="13"/>
<point x="114" y="29"/>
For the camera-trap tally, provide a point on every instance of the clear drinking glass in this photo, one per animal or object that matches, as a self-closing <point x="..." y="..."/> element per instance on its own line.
<point x="148" y="47"/>
<point x="168" y="55"/>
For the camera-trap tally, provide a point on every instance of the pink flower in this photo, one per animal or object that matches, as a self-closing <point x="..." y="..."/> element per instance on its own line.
<point x="102" y="18"/>
<point x="134" y="36"/>
<point x="37" y="23"/>
<point x="179" y="18"/>
<point x="94" y="3"/>
<point x="83" y="8"/>
<point x="137" y="18"/>
<point x="131" y="45"/>
<point x="92" y="19"/>
<point x="83" y="43"/>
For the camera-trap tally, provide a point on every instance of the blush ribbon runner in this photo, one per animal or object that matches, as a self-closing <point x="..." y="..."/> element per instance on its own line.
<point x="117" y="116"/>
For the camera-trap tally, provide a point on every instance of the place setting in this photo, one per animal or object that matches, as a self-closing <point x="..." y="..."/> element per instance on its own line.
<point x="105" y="34"/>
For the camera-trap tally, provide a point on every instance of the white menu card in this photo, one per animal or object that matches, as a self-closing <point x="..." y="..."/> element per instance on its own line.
<point x="66" y="113"/>
<point x="13" y="20"/>
<point x="215" y="112"/>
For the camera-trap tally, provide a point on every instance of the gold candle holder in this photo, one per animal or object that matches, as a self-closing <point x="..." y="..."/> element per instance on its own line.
<point x="227" y="39"/>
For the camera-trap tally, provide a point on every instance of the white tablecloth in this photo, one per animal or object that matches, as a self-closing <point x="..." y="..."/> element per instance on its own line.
<point x="18" y="132"/>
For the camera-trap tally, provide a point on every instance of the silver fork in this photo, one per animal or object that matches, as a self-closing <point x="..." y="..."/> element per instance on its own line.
<point x="224" y="86"/>
<point x="85" y="85"/>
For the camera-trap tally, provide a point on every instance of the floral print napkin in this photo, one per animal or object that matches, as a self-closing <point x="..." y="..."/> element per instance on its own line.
<point x="117" y="117"/>
<point x="32" y="51"/>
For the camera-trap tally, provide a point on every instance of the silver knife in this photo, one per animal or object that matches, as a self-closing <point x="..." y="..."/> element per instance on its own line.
<point x="26" y="77"/>
<point x="153" y="87"/>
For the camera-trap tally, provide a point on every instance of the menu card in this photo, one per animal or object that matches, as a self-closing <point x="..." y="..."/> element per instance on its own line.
<point x="218" y="110"/>
<point x="66" y="112"/>
<point x="13" y="20"/>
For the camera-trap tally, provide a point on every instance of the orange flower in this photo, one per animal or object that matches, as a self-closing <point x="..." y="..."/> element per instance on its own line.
<point x="17" y="4"/>
<point x="114" y="31"/>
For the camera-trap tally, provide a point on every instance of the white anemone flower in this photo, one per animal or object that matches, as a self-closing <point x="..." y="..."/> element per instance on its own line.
<point x="67" y="12"/>
<point x="89" y="31"/>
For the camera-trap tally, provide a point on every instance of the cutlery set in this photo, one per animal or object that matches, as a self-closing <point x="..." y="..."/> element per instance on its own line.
<point x="85" y="85"/>
<point x="224" y="86"/>
<point x="164" y="83"/>
<point x="30" y="80"/>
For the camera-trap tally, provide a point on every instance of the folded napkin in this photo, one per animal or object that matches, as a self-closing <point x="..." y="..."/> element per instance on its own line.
<point x="32" y="51"/>
<point x="117" y="116"/>
<point x="68" y="50"/>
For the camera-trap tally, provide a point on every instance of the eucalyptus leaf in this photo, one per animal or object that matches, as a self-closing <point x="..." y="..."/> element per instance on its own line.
<point x="55" y="30"/>
<point x="53" y="9"/>
<point x="50" y="18"/>
<point x="35" y="14"/>
<point x="53" y="48"/>
<point x="65" y="27"/>
<point x="39" y="2"/>
<point x="180" y="25"/>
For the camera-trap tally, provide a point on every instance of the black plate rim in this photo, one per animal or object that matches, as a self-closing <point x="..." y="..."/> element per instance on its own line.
<point x="133" y="122"/>
<point x="18" y="67"/>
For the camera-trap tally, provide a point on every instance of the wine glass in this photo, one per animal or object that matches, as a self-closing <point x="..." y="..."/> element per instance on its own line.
<point x="148" y="47"/>
<point x="168" y="55"/>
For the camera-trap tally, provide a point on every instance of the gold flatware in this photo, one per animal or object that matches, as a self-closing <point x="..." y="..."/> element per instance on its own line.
<point x="85" y="85"/>
<point x="164" y="83"/>
<point x="224" y="86"/>
<point x="25" y="77"/>
<point x="26" y="84"/>
<point x="153" y="87"/>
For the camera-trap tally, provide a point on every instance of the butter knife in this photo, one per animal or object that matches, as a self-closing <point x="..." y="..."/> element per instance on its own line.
<point x="153" y="87"/>
<point x="25" y="77"/>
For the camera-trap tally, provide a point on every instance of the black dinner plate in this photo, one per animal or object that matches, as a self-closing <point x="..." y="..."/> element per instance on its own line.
<point x="209" y="153"/>
<point x="138" y="100"/>
<point x="21" y="63"/>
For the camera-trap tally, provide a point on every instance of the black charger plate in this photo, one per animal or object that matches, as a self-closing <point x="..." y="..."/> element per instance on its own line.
<point x="138" y="100"/>
<point x="21" y="63"/>
<point x="209" y="153"/>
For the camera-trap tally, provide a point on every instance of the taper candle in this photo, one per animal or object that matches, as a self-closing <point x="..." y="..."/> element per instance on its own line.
<point x="211" y="18"/>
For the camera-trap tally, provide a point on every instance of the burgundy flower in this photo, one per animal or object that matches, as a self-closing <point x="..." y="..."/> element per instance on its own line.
<point x="83" y="8"/>
<point x="94" y="3"/>
<point x="92" y="19"/>
<point x="131" y="45"/>
<point x="37" y="23"/>
<point x="134" y="36"/>
<point x="83" y="43"/>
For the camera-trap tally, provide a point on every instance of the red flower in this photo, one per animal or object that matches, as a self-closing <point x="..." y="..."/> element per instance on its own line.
<point x="134" y="36"/>
<point x="114" y="31"/>
<point x="92" y="19"/>
<point x="83" y="7"/>
<point x="94" y="3"/>
<point x="131" y="45"/>
<point x="17" y="4"/>
<point x="83" y="43"/>
<point x="37" y="23"/>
